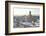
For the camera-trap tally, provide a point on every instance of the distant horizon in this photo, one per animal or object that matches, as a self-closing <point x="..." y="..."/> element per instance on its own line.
<point x="26" y="15"/>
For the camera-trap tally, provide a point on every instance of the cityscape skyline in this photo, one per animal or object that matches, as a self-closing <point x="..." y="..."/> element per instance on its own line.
<point x="26" y="21"/>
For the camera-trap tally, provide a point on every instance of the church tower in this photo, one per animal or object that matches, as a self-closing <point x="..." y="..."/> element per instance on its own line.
<point x="30" y="14"/>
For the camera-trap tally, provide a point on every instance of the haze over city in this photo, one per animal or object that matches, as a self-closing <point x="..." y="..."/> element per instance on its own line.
<point x="25" y="11"/>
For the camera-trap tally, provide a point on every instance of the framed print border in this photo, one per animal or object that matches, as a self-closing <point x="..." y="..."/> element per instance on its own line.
<point x="7" y="21"/>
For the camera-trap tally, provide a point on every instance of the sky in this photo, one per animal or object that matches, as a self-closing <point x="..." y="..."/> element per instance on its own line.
<point x="25" y="11"/>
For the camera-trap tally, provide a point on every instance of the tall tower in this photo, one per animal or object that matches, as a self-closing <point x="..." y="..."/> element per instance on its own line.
<point x="30" y="14"/>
